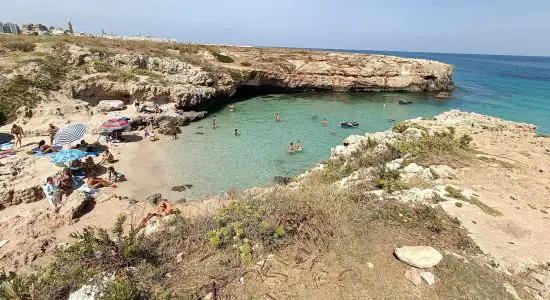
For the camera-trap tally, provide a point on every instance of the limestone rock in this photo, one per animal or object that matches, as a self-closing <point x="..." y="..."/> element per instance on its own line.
<point x="428" y="277"/>
<point x="413" y="170"/>
<point x="153" y="198"/>
<point x="110" y="105"/>
<point x="281" y="180"/>
<point x="418" y="256"/>
<point x="93" y="290"/>
<point x="412" y="133"/>
<point x="443" y="95"/>
<point x="413" y="276"/>
<point x="75" y="205"/>
<point x="442" y="171"/>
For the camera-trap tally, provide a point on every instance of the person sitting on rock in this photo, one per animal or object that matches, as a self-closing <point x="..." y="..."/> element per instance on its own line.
<point x="44" y="148"/>
<point x="163" y="208"/>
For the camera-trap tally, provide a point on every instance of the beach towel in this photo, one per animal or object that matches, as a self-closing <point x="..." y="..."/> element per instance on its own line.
<point x="37" y="151"/>
<point x="6" y="146"/>
<point x="87" y="190"/>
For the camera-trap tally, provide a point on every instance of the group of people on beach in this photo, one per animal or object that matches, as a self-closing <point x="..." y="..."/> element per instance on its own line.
<point x="65" y="183"/>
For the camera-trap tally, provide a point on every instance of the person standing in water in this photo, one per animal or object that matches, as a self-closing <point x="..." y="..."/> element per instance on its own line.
<point x="231" y="107"/>
<point x="213" y="123"/>
<point x="291" y="148"/>
<point x="237" y="132"/>
<point x="298" y="146"/>
<point x="277" y="117"/>
<point x="325" y="122"/>
<point x="314" y="116"/>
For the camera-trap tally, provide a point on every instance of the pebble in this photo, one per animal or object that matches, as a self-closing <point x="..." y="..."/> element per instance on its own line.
<point x="370" y="265"/>
<point x="428" y="277"/>
<point x="413" y="276"/>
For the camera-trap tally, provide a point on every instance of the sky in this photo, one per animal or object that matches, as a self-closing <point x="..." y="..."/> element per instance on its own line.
<point x="458" y="26"/>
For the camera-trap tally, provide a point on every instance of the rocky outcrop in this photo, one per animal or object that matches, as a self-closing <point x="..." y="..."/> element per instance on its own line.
<point x="203" y="82"/>
<point x="418" y="256"/>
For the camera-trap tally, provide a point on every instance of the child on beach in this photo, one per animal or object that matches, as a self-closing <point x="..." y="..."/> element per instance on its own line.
<point x="114" y="176"/>
<point x="52" y="193"/>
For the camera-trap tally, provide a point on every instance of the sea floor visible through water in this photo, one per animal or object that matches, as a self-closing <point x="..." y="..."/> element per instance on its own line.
<point x="516" y="88"/>
<point x="215" y="160"/>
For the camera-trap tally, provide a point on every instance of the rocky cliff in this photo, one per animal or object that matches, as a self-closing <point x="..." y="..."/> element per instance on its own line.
<point x="194" y="76"/>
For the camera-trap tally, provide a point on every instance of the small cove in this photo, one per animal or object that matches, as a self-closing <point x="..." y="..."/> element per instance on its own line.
<point x="214" y="160"/>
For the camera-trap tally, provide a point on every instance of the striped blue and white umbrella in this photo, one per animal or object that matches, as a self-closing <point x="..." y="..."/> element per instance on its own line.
<point x="69" y="134"/>
<point x="67" y="156"/>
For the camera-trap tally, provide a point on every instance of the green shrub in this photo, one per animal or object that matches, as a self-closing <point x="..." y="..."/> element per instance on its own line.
<point x="145" y="72"/>
<point x="15" y="93"/>
<point x="53" y="73"/>
<point x="102" y="67"/>
<point x="223" y="58"/>
<point x="122" y="76"/>
<point x="437" y="143"/>
<point x="23" y="46"/>
<point x="402" y="126"/>
<point x="388" y="180"/>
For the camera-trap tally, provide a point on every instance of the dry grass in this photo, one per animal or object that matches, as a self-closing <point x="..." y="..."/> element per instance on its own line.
<point x="455" y="193"/>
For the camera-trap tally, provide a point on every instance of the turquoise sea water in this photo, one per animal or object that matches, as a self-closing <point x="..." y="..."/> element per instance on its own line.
<point x="213" y="160"/>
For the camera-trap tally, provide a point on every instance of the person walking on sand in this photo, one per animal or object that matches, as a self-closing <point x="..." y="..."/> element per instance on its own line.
<point x="52" y="130"/>
<point x="213" y="123"/>
<point x="17" y="131"/>
<point x="136" y="104"/>
<point x="325" y="122"/>
<point x="277" y="117"/>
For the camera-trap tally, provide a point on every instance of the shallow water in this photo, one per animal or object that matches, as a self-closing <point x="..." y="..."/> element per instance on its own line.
<point x="511" y="87"/>
<point x="215" y="159"/>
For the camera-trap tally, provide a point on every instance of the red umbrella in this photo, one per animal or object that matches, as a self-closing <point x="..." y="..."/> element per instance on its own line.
<point x="115" y="124"/>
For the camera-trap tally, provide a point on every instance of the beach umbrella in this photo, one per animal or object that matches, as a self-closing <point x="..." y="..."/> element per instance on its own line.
<point x="67" y="156"/>
<point x="115" y="124"/>
<point x="69" y="134"/>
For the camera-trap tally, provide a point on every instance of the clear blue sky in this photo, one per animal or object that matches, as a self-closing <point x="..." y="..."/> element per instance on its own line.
<point x="460" y="26"/>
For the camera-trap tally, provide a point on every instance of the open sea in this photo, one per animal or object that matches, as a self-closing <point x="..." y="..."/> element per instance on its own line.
<point x="213" y="160"/>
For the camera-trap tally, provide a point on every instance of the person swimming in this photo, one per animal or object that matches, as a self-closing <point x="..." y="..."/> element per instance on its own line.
<point x="325" y="122"/>
<point x="314" y="116"/>
<point x="237" y="132"/>
<point x="213" y="123"/>
<point x="231" y="107"/>
<point x="298" y="146"/>
<point x="333" y="131"/>
<point x="277" y="117"/>
<point x="291" y="148"/>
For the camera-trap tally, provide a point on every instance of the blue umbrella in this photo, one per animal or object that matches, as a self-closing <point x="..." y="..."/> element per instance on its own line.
<point x="69" y="134"/>
<point x="66" y="156"/>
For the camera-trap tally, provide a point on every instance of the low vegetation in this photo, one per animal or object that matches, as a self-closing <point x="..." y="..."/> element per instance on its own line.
<point x="23" y="46"/>
<point x="223" y="58"/>
<point x="457" y="194"/>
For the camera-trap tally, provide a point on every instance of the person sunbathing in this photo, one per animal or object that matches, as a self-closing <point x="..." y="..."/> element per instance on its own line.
<point x="96" y="183"/>
<point x="163" y="208"/>
<point x="44" y="148"/>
